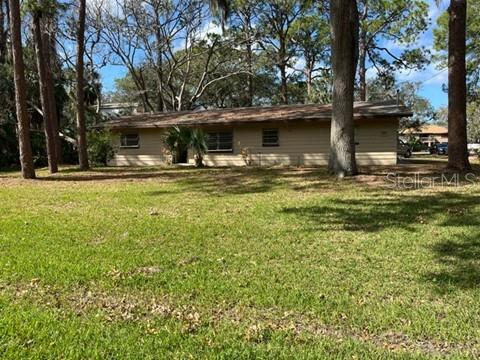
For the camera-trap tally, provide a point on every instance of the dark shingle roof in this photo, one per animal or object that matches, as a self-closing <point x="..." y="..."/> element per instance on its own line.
<point x="245" y="115"/>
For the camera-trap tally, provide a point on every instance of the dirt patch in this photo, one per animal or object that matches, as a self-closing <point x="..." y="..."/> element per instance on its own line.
<point x="258" y="324"/>
<point x="114" y="307"/>
<point x="146" y="271"/>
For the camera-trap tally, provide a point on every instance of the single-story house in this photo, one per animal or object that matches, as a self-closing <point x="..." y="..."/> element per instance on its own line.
<point x="261" y="136"/>
<point x="429" y="134"/>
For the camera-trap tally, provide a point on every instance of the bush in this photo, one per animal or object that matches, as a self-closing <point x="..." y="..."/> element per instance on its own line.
<point x="415" y="144"/>
<point x="100" y="149"/>
<point x="8" y="146"/>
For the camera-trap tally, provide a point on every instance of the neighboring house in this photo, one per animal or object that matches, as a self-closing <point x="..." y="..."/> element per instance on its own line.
<point x="429" y="134"/>
<point x="262" y="136"/>
<point x="115" y="110"/>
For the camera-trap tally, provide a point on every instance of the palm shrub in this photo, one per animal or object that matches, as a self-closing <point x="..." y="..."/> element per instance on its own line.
<point x="199" y="145"/>
<point x="170" y="139"/>
<point x="178" y="137"/>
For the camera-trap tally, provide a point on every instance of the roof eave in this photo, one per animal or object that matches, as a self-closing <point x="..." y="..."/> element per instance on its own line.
<point x="243" y="122"/>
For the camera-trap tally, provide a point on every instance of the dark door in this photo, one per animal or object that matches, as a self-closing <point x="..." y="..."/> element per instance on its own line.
<point x="182" y="156"/>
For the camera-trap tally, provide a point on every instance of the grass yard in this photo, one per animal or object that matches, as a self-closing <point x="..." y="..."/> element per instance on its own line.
<point x="236" y="264"/>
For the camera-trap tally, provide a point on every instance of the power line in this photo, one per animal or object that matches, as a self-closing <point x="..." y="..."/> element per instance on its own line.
<point x="434" y="76"/>
<point x="426" y="80"/>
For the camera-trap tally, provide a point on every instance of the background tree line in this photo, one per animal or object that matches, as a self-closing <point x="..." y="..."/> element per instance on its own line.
<point x="271" y="52"/>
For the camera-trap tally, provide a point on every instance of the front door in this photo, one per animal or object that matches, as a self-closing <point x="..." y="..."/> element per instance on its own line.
<point x="182" y="157"/>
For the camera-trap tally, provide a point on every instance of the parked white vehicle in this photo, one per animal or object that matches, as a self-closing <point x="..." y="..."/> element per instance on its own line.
<point x="473" y="149"/>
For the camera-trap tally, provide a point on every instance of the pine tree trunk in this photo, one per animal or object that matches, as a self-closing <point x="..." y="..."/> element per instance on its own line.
<point x="159" y="71"/>
<point x="44" y="93"/>
<point x="159" y="65"/>
<point x="3" y="33"/>
<point x="308" y="100"/>
<point x="250" y="74"/>
<point x="282" y="54"/>
<point x="344" y="30"/>
<point x="283" y="85"/>
<point x="457" y="87"/>
<point x="50" y="53"/>
<point x="362" y="56"/>
<point x="362" y="67"/>
<point x="247" y="29"/>
<point x="309" y="67"/>
<point x="24" y="144"/>
<point x="80" y="91"/>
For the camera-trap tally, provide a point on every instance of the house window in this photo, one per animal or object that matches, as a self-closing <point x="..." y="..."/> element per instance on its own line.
<point x="270" y="137"/>
<point x="129" y="141"/>
<point x="220" y="141"/>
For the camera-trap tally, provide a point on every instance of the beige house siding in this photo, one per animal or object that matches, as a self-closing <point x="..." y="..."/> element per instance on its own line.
<point x="377" y="142"/>
<point x="304" y="143"/>
<point x="149" y="152"/>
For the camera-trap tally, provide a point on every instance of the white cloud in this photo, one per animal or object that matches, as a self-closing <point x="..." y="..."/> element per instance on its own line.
<point x="210" y="28"/>
<point x="202" y="33"/>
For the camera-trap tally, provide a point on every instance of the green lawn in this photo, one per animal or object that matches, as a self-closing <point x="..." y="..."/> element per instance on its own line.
<point x="235" y="264"/>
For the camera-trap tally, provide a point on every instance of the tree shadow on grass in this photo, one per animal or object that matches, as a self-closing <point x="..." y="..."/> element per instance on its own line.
<point x="231" y="183"/>
<point x="216" y="181"/>
<point x="207" y="180"/>
<point x="458" y="256"/>
<point x="380" y="212"/>
<point x="242" y="181"/>
<point x="238" y="180"/>
<point x="459" y="260"/>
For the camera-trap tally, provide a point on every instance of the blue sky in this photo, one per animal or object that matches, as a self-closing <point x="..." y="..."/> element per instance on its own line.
<point x="109" y="73"/>
<point x="432" y="78"/>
